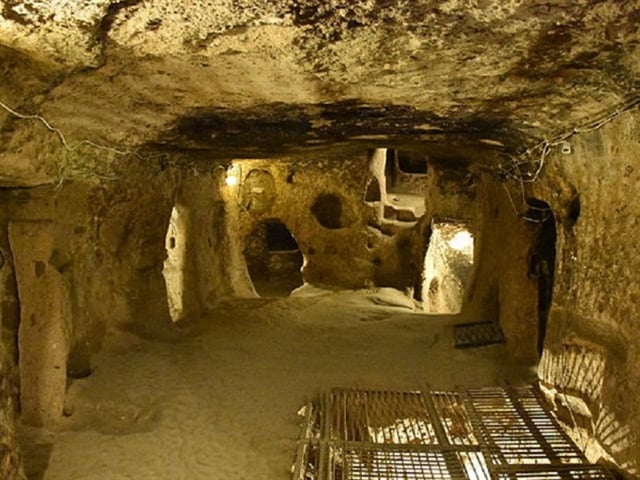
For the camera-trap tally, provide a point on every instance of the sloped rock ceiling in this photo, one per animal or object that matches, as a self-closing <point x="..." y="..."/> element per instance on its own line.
<point x="194" y="74"/>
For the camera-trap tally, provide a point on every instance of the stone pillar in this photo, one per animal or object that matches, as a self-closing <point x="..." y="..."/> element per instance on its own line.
<point x="45" y="312"/>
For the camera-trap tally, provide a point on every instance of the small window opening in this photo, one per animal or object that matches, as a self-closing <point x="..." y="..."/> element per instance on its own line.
<point x="373" y="191"/>
<point x="405" y="173"/>
<point x="411" y="162"/>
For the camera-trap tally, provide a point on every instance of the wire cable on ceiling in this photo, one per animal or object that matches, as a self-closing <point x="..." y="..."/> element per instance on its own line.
<point x="59" y="133"/>
<point x="516" y="163"/>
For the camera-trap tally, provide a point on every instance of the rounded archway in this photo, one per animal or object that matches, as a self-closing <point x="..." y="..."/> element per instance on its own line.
<point x="274" y="260"/>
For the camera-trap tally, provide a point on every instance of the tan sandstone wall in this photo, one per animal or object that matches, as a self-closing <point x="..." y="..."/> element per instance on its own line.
<point x="358" y="250"/>
<point x="592" y="354"/>
<point x="10" y="461"/>
<point x="86" y="255"/>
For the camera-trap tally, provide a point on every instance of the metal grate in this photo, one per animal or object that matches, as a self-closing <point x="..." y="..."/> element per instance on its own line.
<point x="490" y="433"/>
<point x="576" y="472"/>
<point x="381" y="417"/>
<point x="520" y="430"/>
<point x="368" y="463"/>
<point x="477" y="334"/>
<point x="454" y="418"/>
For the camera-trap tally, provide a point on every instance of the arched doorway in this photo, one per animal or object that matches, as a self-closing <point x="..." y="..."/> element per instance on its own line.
<point x="448" y="265"/>
<point x="274" y="260"/>
<point x="542" y="260"/>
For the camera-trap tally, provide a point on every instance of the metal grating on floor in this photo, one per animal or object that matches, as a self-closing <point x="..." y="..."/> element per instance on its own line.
<point x="367" y="463"/>
<point x="381" y="417"/>
<point x="477" y="334"/>
<point x="489" y="433"/>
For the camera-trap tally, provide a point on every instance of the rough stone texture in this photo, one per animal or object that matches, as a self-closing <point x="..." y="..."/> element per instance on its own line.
<point x="62" y="32"/>
<point x="504" y="287"/>
<point x="352" y="245"/>
<point x="335" y="256"/>
<point x="447" y="269"/>
<point x="180" y="87"/>
<point x="45" y="312"/>
<point x="592" y="347"/>
<point x="10" y="461"/>
<point x="491" y="69"/>
<point x="208" y="246"/>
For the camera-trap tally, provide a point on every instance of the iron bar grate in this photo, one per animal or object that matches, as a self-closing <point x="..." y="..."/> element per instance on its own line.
<point x="477" y="334"/>
<point x="369" y="463"/>
<point x="381" y="417"/>
<point x="478" y="434"/>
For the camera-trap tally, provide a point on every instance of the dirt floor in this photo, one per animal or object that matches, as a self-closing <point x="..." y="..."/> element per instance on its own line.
<point x="218" y="400"/>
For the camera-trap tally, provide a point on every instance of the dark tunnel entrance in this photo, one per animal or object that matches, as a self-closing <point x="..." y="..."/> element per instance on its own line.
<point x="542" y="260"/>
<point x="274" y="260"/>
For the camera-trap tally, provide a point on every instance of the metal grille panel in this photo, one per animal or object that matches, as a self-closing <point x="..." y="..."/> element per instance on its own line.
<point x="520" y="430"/>
<point x="367" y="463"/>
<point x="381" y="417"/>
<point x="478" y="434"/>
<point x="587" y="472"/>
<point x="477" y="334"/>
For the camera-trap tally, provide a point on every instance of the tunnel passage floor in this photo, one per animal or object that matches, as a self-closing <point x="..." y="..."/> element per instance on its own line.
<point x="219" y="399"/>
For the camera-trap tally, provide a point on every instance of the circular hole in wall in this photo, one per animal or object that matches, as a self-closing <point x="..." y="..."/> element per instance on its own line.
<point x="331" y="212"/>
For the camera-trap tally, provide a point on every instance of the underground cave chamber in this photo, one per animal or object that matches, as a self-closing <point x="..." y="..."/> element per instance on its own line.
<point x="430" y="241"/>
<point x="264" y="239"/>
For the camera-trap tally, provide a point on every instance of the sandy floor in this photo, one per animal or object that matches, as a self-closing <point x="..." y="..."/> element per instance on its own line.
<point x="219" y="400"/>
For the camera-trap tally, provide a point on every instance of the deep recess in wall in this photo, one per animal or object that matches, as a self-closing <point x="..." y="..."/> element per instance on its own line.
<point x="373" y="191"/>
<point x="542" y="260"/>
<point x="330" y="212"/>
<point x="273" y="258"/>
<point x="279" y="238"/>
<point x="448" y="265"/>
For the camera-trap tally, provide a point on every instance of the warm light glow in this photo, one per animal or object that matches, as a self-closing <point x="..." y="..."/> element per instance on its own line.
<point x="231" y="180"/>
<point x="463" y="240"/>
<point x="233" y="176"/>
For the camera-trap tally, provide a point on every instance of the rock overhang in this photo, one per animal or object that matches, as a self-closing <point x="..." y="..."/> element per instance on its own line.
<point x="207" y="74"/>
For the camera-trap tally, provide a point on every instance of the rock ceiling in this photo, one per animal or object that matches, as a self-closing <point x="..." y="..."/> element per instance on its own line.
<point x="215" y="74"/>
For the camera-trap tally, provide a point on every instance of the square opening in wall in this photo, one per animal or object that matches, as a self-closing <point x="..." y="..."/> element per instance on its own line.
<point x="411" y="162"/>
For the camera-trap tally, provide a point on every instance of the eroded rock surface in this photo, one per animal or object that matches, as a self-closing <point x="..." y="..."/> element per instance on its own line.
<point x="128" y="72"/>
